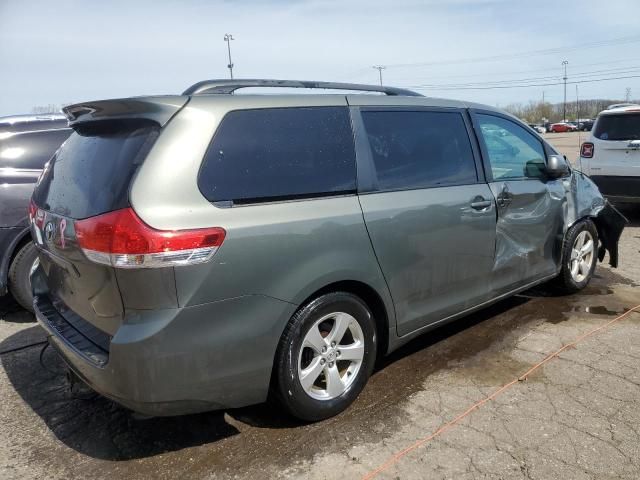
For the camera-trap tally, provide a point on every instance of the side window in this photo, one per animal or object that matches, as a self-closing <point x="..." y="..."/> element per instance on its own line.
<point x="280" y="153"/>
<point x="31" y="149"/>
<point x="419" y="149"/>
<point x="513" y="151"/>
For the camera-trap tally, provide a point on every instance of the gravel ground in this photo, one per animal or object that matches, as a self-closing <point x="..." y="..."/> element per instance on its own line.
<point x="577" y="416"/>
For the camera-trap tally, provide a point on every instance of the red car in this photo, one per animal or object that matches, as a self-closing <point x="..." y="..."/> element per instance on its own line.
<point x="562" y="127"/>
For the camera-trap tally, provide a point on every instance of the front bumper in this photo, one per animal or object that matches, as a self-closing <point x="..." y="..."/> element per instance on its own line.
<point x="177" y="361"/>
<point x="618" y="189"/>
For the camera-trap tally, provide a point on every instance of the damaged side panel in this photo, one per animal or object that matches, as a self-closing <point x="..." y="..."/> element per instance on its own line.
<point x="528" y="230"/>
<point x="585" y="200"/>
<point x="533" y="217"/>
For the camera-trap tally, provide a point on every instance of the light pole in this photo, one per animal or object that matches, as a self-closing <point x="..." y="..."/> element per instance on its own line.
<point x="379" y="68"/>
<point x="227" y="38"/>
<point x="564" y="104"/>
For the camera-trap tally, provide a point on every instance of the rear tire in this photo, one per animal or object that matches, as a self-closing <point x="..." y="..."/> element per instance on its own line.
<point x="325" y="356"/>
<point x="19" y="271"/>
<point x="579" y="257"/>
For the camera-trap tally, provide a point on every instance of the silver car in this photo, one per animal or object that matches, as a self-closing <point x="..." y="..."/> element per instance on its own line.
<point x="209" y="250"/>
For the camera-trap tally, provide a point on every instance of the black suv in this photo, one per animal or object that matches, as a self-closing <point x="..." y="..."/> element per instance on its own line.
<point x="27" y="142"/>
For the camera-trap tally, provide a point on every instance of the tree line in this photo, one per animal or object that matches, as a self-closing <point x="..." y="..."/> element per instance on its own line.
<point x="537" y="112"/>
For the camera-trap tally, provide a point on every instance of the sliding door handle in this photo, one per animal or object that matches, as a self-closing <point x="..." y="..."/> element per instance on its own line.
<point x="481" y="204"/>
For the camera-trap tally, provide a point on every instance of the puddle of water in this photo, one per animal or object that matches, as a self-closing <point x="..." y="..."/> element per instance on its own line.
<point x="598" y="310"/>
<point x="602" y="310"/>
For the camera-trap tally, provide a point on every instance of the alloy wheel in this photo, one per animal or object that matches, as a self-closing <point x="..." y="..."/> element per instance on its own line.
<point x="331" y="356"/>
<point x="582" y="254"/>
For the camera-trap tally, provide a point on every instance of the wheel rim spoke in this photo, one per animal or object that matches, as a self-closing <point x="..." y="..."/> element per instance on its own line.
<point x="309" y="375"/>
<point x="335" y="385"/>
<point x="314" y="340"/>
<point x="575" y="266"/>
<point x="352" y="352"/>
<point x="584" y="268"/>
<point x="340" y="325"/>
<point x="587" y="248"/>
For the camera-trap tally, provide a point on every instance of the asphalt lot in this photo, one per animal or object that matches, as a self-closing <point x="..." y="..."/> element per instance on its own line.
<point x="568" y="143"/>
<point x="577" y="416"/>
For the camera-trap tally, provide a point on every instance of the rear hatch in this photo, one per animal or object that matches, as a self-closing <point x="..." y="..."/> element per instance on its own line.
<point x="87" y="178"/>
<point x="616" y="139"/>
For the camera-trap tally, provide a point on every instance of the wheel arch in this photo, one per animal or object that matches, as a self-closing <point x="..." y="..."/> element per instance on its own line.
<point x="371" y="297"/>
<point x="22" y="238"/>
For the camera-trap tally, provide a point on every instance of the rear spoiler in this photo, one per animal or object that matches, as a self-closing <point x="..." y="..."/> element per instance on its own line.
<point x="157" y="109"/>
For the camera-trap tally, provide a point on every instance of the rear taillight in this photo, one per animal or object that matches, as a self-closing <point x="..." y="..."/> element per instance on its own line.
<point x="33" y="209"/>
<point x="121" y="239"/>
<point x="586" y="150"/>
<point x="35" y="214"/>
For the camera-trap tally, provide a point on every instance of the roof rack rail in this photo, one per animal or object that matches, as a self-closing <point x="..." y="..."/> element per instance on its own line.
<point x="230" y="86"/>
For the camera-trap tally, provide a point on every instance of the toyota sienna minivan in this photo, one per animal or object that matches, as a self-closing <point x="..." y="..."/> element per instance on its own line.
<point x="211" y="250"/>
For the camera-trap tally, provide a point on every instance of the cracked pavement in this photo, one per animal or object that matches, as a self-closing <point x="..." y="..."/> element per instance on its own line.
<point x="576" y="417"/>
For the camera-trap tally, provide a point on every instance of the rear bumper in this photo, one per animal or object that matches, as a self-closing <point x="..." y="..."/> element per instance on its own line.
<point x="179" y="361"/>
<point x="618" y="189"/>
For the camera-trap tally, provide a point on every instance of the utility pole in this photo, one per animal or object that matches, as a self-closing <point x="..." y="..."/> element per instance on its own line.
<point x="379" y="68"/>
<point x="627" y="96"/>
<point x="227" y="38"/>
<point x="564" y="104"/>
<point x="542" y="97"/>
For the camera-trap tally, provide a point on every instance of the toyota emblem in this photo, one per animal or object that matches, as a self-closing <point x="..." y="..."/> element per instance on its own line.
<point x="49" y="231"/>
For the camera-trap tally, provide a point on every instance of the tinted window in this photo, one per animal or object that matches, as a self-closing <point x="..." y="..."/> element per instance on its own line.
<point x="90" y="174"/>
<point x="419" y="149"/>
<point x="31" y="149"/>
<point x="513" y="151"/>
<point x="618" y="127"/>
<point x="280" y="153"/>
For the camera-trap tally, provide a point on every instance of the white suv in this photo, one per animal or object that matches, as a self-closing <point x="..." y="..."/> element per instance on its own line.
<point x="611" y="156"/>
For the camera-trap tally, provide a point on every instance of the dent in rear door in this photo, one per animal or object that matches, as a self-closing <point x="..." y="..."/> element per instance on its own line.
<point x="435" y="243"/>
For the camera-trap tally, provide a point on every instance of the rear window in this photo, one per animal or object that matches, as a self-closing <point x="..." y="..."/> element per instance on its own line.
<point x="91" y="173"/>
<point x="31" y="150"/>
<point x="618" y="127"/>
<point x="419" y="149"/>
<point x="278" y="154"/>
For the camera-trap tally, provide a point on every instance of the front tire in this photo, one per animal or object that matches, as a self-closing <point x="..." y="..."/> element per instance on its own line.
<point x="579" y="257"/>
<point x="325" y="356"/>
<point x="19" y="271"/>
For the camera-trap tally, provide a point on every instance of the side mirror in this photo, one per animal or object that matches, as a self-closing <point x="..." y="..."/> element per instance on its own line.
<point x="557" y="166"/>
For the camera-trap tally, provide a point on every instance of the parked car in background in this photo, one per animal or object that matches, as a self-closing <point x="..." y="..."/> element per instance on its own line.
<point x="621" y="105"/>
<point x="611" y="155"/>
<point x="585" y="125"/>
<point x="561" y="127"/>
<point x="27" y="142"/>
<point x="202" y="251"/>
<point x="538" y="128"/>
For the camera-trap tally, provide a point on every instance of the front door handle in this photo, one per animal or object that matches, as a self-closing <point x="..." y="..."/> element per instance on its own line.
<point x="481" y="204"/>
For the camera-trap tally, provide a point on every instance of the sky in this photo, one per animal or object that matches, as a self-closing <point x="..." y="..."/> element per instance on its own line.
<point x="68" y="51"/>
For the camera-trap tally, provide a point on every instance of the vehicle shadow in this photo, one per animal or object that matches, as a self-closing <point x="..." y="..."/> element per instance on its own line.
<point x="91" y="424"/>
<point x="10" y="311"/>
<point x="99" y="428"/>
